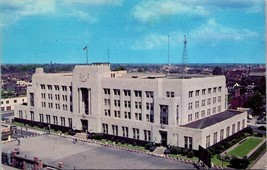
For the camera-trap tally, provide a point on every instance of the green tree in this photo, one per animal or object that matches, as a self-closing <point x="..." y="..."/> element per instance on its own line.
<point x="217" y="71"/>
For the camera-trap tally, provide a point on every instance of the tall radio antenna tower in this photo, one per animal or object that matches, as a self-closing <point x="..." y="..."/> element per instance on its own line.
<point x="185" y="56"/>
<point x="168" y="56"/>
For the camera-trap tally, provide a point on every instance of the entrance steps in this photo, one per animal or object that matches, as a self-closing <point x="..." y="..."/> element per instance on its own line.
<point x="159" y="150"/>
<point x="81" y="135"/>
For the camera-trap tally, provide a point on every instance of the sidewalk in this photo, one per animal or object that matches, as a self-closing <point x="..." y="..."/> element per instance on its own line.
<point x="261" y="163"/>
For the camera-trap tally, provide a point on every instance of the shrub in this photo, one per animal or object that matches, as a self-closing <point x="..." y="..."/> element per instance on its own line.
<point x="148" y="145"/>
<point x="248" y="130"/>
<point x="117" y="141"/>
<point x="98" y="136"/>
<point x="134" y="143"/>
<point x="190" y="154"/>
<point x="122" y="142"/>
<point x="262" y="128"/>
<point x="175" y="150"/>
<point x="239" y="163"/>
<point x="185" y="151"/>
<point x="71" y="132"/>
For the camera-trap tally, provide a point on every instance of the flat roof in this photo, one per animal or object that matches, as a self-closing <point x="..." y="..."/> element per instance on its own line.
<point x="212" y="120"/>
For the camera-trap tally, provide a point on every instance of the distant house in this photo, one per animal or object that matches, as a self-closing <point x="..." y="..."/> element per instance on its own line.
<point x="8" y="104"/>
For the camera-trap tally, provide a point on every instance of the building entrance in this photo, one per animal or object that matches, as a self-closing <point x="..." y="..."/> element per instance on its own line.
<point x="84" y="125"/>
<point x="163" y="135"/>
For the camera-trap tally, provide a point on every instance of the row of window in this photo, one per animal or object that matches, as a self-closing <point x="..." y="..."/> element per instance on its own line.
<point x="48" y="119"/>
<point x="137" y="93"/>
<point x="225" y="135"/>
<point x="203" y="113"/>
<point x="127" y="115"/>
<point x="203" y="91"/>
<point x="127" y="104"/>
<point x="56" y="87"/>
<point x="57" y="96"/>
<point x="203" y="102"/>
<point x="57" y="106"/>
<point x="125" y="132"/>
<point x="14" y="101"/>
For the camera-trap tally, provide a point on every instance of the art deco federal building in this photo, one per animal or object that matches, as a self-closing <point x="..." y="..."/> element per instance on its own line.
<point x="168" y="110"/>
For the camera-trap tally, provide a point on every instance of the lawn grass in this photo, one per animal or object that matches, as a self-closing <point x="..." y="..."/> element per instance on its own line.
<point x="244" y="148"/>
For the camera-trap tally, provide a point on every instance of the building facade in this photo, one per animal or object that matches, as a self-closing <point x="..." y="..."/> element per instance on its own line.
<point x="148" y="107"/>
<point x="9" y="103"/>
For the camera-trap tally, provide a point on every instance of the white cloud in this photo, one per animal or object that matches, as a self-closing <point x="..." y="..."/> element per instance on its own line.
<point x="213" y="32"/>
<point x="96" y="2"/>
<point x="150" y="41"/>
<point x="82" y="16"/>
<point x="12" y="10"/>
<point x="151" y="11"/>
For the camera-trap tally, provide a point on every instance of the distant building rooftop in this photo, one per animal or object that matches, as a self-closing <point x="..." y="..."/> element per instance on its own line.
<point x="209" y="121"/>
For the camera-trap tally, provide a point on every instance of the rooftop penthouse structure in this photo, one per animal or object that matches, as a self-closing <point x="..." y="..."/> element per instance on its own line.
<point x="185" y="112"/>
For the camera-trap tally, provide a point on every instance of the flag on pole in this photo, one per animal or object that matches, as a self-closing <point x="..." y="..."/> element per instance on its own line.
<point x="85" y="48"/>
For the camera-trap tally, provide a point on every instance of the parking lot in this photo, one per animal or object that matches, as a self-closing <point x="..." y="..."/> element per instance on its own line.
<point x="82" y="155"/>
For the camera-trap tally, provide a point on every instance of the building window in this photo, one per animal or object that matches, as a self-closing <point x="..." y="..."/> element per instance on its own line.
<point x="208" y="101"/>
<point x="214" y="89"/>
<point x="127" y="92"/>
<point x="190" y="118"/>
<point x="208" y="112"/>
<point x="70" y="122"/>
<point x="208" y="141"/>
<point x="203" y="91"/>
<point x="117" y="103"/>
<point x="64" y="88"/>
<point x="177" y="114"/>
<point x="228" y="131"/>
<point x="138" y="105"/>
<point x="138" y="116"/>
<point x="15" y="101"/>
<point x="203" y="113"/>
<point x="56" y="87"/>
<point x="20" y="114"/>
<point x="125" y="131"/>
<point x="215" y="138"/>
<point x="190" y="94"/>
<point x="197" y="104"/>
<point x="190" y="106"/>
<point x="127" y="115"/>
<point x="115" y="130"/>
<point x="188" y="142"/>
<point x="221" y="134"/>
<point x="214" y="100"/>
<point x="107" y="112"/>
<point x="135" y="133"/>
<point x="42" y="86"/>
<point x="197" y="92"/>
<point x="170" y="94"/>
<point x="149" y="94"/>
<point x="107" y="91"/>
<point x="32" y="99"/>
<point x="233" y="128"/>
<point x="48" y="120"/>
<point x="220" y="89"/>
<point x="62" y="120"/>
<point x="127" y="104"/>
<point x="50" y="96"/>
<point x="117" y="92"/>
<point x="197" y="115"/>
<point x="49" y="87"/>
<point x="209" y="90"/>
<point x="219" y="98"/>
<point x="32" y="115"/>
<point x="164" y="114"/>
<point x="213" y="110"/>
<point x="41" y="116"/>
<point x="117" y="113"/>
<point x="147" y="135"/>
<point x="219" y="108"/>
<point x="55" y="120"/>
<point x="138" y="93"/>
<point x="203" y="102"/>
<point x="105" y="128"/>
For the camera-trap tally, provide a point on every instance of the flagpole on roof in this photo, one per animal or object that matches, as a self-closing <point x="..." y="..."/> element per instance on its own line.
<point x="86" y="53"/>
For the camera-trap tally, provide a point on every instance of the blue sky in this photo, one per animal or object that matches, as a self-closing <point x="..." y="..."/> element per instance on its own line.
<point x="135" y="31"/>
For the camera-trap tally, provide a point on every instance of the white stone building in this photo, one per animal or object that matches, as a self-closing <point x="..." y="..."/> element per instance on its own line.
<point x="9" y="103"/>
<point x="168" y="110"/>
